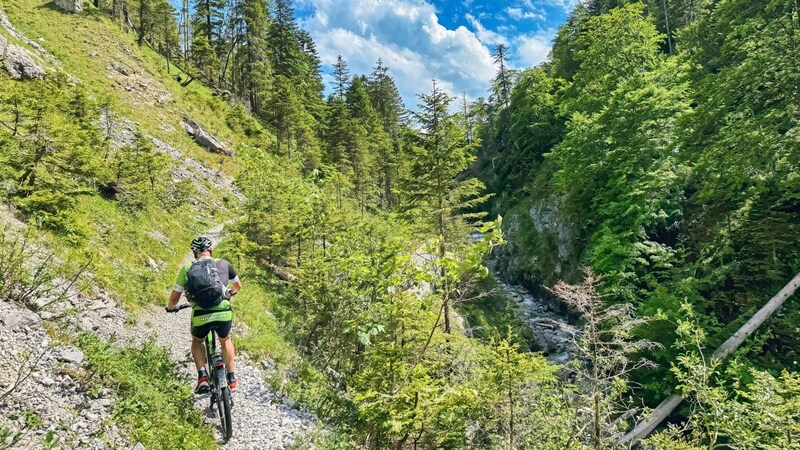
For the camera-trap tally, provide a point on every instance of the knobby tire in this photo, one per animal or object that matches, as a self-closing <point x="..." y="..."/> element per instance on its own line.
<point x="225" y="413"/>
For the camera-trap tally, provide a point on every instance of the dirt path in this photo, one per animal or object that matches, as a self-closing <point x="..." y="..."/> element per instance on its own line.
<point x="260" y="421"/>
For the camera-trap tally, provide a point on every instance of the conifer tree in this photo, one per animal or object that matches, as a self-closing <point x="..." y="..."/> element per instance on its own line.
<point x="208" y="20"/>
<point x="282" y="39"/>
<point x="341" y="77"/>
<point x="370" y="141"/>
<point x="388" y="105"/>
<point x="434" y="191"/>
<point x="503" y="80"/>
<point x="255" y="67"/>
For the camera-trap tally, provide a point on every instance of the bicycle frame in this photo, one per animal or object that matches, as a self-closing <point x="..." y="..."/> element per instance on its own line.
<point x="218" y="378"/>
<point x="215" y="365"/>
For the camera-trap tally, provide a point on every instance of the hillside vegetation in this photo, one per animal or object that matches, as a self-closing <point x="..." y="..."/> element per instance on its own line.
<point x="657" y="147"/>
<point x="665" y="159"/>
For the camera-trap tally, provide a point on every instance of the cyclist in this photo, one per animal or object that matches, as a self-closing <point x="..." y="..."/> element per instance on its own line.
<point x="204" y="319"/>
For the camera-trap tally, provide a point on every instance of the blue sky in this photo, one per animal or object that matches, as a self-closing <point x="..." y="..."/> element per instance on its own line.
<point x="420" y="40"/>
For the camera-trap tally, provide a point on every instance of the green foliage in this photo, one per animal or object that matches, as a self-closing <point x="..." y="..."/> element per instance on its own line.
<point x="155" y="407"/>
<point x="674" y="172"/>
<point x="433" y="192"/>
<point x="50" y="140"/>
<point x="613" y="47"/>
<point x="758" y="411"/>
<point x="139" y="174"/>
<point x="28" y="421"/>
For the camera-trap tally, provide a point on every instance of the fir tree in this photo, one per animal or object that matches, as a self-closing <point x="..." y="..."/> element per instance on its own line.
<point x="434" y="190"/>
<point x="503" y="80"/>
<point x="341" y="77"/>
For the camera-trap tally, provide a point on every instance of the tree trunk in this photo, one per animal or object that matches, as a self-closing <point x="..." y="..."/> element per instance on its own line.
<point x="281" y="272"/>
<point x="666" y="407"/>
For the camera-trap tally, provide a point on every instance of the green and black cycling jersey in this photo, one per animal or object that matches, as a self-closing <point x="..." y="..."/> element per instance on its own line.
<point x="220" y="316"/>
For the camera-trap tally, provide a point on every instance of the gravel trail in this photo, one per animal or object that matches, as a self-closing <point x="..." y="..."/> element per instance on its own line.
<point x="260" y="420"/>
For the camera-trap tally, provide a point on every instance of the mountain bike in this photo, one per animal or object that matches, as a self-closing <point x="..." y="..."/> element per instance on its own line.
<point x="218" y="380"/>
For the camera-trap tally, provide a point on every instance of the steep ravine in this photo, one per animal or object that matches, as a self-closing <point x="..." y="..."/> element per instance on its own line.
<point x="553" y="335"/>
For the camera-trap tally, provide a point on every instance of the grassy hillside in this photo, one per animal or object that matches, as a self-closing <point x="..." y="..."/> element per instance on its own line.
<point x="133" y="84"/>
<point x="133" y="241"/>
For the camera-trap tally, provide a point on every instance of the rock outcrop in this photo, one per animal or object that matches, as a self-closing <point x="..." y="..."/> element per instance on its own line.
<point x="205" y="139"/>
<point x="70" y="6"/>
<point x="122" y="132"/>
<point x="19" y="63"/>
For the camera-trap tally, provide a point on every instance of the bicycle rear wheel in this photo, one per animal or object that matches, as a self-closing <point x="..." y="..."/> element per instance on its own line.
<point x="224" y="406"/>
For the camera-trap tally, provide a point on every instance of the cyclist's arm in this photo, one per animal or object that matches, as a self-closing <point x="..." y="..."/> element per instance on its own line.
<point x="236" y="286"/>
<point x="177" y="290"/>
<point x="174" y="297"/>
<point x="235" y="283"/>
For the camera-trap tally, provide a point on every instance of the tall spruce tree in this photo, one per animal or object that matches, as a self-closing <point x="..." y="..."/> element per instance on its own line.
<point x="208" y="20"/>
<point x="255" y="68"/>
<point x="504" y="79"/>
<point x="341" y="77"/>
<point x="283" y="39"/>
<point x="388" y="104"/>
<point x="435" y="191"/>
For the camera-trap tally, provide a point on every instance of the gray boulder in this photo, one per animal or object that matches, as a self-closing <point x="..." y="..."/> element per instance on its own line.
<point x="205" y="139"/>
<point x="71" y="355"/>
<point x="553" y="336"/>
<point x="19" y="63"/>
<point x="23" y="318"/>
<point x="70" y="6"/>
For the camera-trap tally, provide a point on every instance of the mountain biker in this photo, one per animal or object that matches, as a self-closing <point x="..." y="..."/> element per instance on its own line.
<point x="217" y="316"/>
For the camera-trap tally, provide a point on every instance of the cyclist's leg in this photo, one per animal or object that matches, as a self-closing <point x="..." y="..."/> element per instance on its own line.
<point x="198" y="345"/>
<point x="226" y="343"/>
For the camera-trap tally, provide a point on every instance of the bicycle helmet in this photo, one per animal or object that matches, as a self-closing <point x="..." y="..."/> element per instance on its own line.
<point x="201" y="244"/>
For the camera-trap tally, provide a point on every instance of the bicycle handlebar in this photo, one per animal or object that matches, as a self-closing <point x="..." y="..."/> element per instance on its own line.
<point x="178" y="308"/>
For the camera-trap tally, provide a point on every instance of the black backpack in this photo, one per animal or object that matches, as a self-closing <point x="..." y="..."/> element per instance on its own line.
<point x="203" y="284"/>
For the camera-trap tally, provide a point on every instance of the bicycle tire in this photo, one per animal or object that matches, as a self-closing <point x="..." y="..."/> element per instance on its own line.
<point x="224" y="406"/>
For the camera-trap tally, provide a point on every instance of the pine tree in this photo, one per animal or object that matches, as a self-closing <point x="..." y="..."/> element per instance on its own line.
<point x="503" y="80"/>
<point x="282" y="39"/>
<point x="388" y="104"/>
<point x="208" y="20"/>
<point x="145" y="18"/>
<point x="369" y="144"/>
<point x="206" y="38"/>
<point x="434" y="190"/>
<point x="313" y="85"/>
<point x="255" y="68"/>
<point x="341" y="77"/>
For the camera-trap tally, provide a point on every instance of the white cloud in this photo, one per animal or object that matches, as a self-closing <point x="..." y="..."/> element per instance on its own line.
<point x="566" y="5"/>
<point x="520" y="14"/>
<point x="534" y="49"/>
<point x="407" y="35"/>
<point x="487" y="37"/>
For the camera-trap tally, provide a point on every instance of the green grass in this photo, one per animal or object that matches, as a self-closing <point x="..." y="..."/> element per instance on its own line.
<point x="118" y="241"/>
<point x="152" y="405"/>
<point x="120" y="245"/>
<point x="90" y="43"/>
<point x="264" y="338"/>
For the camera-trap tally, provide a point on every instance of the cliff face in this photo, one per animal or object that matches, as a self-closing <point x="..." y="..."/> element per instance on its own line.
<point x="542" y="244"/>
